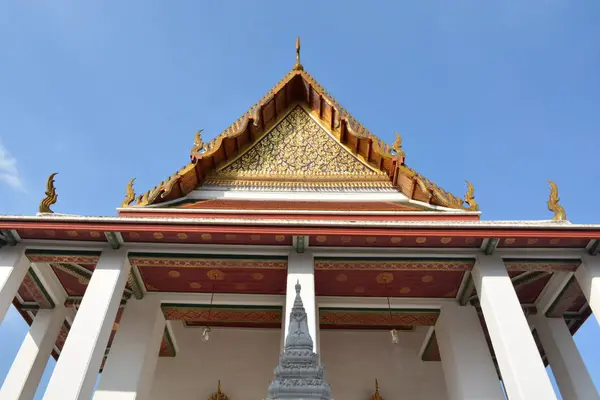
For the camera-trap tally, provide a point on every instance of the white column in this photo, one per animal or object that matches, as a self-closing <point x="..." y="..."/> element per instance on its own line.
<point x="129" y="370"/>
<point x="77" y="367"/>
<point x="570" y="372"/>
<point x="301" y="268"/>
<point x="588" y="277"/>
<point x="520" y="364"/>
<point x="28" y="367"/>
<point x="466" y="361"/>
<point x="13" y="267"/>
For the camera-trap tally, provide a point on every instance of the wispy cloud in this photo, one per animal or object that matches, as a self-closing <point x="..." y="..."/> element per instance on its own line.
<point x="9" y="173"/>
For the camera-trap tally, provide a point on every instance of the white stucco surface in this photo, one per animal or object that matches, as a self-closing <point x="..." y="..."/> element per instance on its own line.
<point x="244" y="359"/>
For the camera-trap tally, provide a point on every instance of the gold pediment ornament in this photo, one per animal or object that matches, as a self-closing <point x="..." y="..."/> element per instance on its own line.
<point x="218" y="395"/>
<point x="299" y="151"/>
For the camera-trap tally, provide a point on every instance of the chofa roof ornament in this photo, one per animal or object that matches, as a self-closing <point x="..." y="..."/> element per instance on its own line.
<point x="51" y="196"/>
<point x="557" y="209"/>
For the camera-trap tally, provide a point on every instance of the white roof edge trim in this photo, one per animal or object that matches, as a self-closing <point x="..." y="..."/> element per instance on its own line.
<point x="299" y="211"/>
<point x="299" y="195"/>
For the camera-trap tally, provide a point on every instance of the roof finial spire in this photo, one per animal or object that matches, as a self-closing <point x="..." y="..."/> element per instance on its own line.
<point x="298" y="66"/>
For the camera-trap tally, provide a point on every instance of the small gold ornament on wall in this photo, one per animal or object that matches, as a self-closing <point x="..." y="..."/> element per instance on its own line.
<point x="218" y="395"/>
<point x="376" y="395"/>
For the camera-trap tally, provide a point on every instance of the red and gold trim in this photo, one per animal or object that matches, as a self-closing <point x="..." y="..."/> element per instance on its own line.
<point x="392" y="264"/>
<point x="225" y="316"/>
<point x="207" y="261"/>
<point x="347" y="318"/>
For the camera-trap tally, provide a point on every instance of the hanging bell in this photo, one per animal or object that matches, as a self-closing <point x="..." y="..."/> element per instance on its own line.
<point x="394" y="334"/>
<point x="205" y="334"/>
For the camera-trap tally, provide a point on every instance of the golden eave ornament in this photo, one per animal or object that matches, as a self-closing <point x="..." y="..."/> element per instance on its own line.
<point x="218" y="395"/>
<point x="557" y="209"/>
<point x="129" y="194"/>
<point x="51" y="195"/>
<point x="198" y="144"/>
<point x="298" y="66"/>
<point x="397" y="146"/>
<point x="470" y="197"/>
<point x="376" y="395"/>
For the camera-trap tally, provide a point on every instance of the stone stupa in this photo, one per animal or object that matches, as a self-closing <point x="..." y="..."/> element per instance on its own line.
<point x="299" y="376"/>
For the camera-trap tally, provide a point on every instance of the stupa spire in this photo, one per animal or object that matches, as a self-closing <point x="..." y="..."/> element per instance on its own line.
<point x="298" y="374"/>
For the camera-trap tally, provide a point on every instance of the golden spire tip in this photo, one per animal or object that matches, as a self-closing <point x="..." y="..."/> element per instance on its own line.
<point x="298" y="66"/>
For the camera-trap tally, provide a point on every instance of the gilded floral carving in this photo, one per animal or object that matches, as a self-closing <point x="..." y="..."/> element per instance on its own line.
<point x="297" y="147"/>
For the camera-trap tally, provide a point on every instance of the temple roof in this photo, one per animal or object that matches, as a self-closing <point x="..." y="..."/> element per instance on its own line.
<point x="349" y="153"/>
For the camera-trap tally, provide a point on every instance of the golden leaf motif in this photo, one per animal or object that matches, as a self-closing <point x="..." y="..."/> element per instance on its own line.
<point x="557" y="209"/>
<point x="129" y="194"/>
<point x="51" y="195"/>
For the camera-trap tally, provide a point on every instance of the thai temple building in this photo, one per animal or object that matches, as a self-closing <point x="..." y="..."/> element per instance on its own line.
<point x="297" y="256"/>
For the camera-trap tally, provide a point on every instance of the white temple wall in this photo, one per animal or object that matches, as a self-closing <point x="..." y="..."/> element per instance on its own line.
<point x="244" y="359"/>
<point x="353" y="359"/>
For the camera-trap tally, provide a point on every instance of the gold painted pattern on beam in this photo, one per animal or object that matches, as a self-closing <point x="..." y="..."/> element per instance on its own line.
<point x="393" y="265"/>
<point x="200" y="262"/>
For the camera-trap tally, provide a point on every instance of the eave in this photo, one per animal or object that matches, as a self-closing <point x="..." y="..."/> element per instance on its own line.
<point x="280" y="232"/>
<point x="298" y="86"/>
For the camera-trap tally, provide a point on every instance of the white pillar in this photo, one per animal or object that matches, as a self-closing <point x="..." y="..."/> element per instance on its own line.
<point x="570" y="372"/>
<point x="28" y="367"/>
<point x="468" y="368"/>
<point x="13" y="267"/>
<point x="588" y="277"/>
<point x="520" y="364"/>
<point x="129" y="370"/>
<point x="77" y="367"/>
<point x="301" y="268"/>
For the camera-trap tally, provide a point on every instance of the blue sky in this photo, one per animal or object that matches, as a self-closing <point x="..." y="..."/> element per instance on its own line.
<point x="503" y="93"/>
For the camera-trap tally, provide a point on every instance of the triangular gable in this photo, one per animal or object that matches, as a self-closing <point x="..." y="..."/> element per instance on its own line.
<point x="298" y="87"/>
<point x="298" y="152"/>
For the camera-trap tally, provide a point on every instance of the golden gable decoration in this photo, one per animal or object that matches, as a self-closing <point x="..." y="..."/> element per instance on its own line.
<point x="299" y="87"/>
<point x="298" y="152"/>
